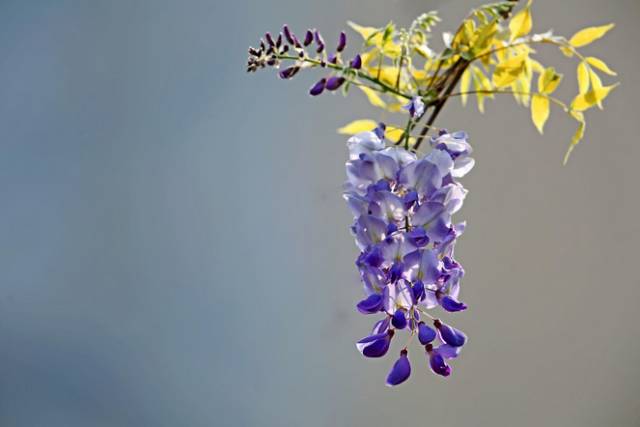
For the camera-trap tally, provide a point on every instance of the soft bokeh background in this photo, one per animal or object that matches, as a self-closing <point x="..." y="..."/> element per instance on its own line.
<point x="174" y="249"/>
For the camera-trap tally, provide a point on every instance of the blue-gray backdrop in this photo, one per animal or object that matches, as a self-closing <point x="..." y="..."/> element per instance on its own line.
<point x="174" y="250"/>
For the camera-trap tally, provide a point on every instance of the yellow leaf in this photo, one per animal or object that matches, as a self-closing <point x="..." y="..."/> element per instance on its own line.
<point x="393" y="133"/>
<point x="588" y="35"/>
<point x="549" y="81"/>
<point x="484" y="37"/>
<point x="464" y="35"/>
<point x="375" y="37"/>
<point x="396" y="108"/>
<point x="521" y="22"/>
<point x="392" y="50"/>
<point x="591" y="98"/>
<point x="539" y="111"/>
<point x="509" y="70"/>
<point x="373" y="97"/>
<point x="566" y="51"/>
<point x="596" y="83"/>
<point x="583" y="78"/>
<point x="365" y="32"/>
<point x="595" y="79"/>
<point x="464" y="85"/>
<point x="481" y="83"/>
<point x="577" y="137"/>
<point x="357" y="126"/>
<point x="419" y="74"/>
<point x="389" y="75"/>
<point x="369" y="56"/>
<point x="536" y="66"/>
<point x="521" y="88"/>
<point x="600" y="65"/>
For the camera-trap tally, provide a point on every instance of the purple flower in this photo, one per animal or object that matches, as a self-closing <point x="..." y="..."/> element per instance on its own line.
<point x="400" y="371"/>
<point x="450" y="335"/>
<point x="415" y="107"/>
<point x="403" y="207"/>
<point x="375" y="345"/>
<point x="371" y="304"/>
<point x="451" y="304"/>
<point x="426" y="334"/>
<point x="437" y="363"/>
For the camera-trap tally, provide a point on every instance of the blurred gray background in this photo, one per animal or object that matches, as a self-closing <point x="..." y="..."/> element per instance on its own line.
<point x="174" y="250"/>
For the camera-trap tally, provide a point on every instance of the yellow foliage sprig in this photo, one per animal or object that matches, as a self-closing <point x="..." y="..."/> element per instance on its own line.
<point x="490" y="53"/>
<point x="505" y="66"/>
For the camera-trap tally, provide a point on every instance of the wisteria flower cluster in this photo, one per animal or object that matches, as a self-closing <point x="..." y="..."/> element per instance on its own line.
<point x="403" y="206"/>
<point x="402" y="198"/>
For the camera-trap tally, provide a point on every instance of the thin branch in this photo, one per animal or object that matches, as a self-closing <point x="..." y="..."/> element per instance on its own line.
<point x="358" y="73"/>
<point x="510" y="92"/>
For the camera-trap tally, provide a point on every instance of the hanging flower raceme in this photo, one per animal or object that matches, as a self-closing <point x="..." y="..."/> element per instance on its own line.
<point x="403" y="206"/>
<point x="403" y="203"/>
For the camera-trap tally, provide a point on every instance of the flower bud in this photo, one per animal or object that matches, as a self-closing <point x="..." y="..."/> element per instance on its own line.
<point x="333" y="83"/>
<point x="287" y="73"/>
<point x="317" y="88"/>
<point x="296" y="42"/>
<point x="401" y="370"/>
<point x="418" y="291"/>
<point x="342" y="41"/>
<point x="319" y="42"/>
<point x="269" y="39"/>
<point x="426" y="334"/>
<point x="399" y="320"/>
<point x="308" y="38"/>
<point x="287" y="34"/>
<point x="356" y="62"/>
